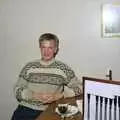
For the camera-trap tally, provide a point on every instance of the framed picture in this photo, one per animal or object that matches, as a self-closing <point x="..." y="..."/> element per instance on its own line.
<point x="111" y="20"/>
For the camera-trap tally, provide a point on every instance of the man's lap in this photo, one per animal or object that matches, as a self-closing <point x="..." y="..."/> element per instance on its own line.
<point x="25" y="113"/>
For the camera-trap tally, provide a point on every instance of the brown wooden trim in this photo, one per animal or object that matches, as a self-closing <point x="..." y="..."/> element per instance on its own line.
<point x="101" y="80"/>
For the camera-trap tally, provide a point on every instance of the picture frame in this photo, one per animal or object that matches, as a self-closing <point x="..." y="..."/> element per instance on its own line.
<point x="111" y="20"/>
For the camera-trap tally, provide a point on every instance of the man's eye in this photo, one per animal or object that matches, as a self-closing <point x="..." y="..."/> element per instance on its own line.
<point x="43" y="47"/>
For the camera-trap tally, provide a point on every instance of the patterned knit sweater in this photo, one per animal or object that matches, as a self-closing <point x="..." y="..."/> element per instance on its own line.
<point x="37" y="76"/>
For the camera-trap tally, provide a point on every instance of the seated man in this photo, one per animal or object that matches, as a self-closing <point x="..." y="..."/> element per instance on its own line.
<point x="43" y="81"/>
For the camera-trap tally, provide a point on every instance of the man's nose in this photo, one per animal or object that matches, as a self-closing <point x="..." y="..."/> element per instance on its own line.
<point x="46" y="51"/>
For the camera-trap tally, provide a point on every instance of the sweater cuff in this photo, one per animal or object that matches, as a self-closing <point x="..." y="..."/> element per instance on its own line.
<point x="27" y="94"/>
<point x="68" y="92"/>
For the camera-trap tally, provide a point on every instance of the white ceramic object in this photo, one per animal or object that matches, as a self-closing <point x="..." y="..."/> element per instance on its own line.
<point x="72" y="110"/>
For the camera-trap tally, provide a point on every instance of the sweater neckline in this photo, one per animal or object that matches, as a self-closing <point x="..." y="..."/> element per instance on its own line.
<point x="42" y="62"/>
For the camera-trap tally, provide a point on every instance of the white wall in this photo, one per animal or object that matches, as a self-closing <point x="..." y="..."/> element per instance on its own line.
<point x="77" y="24"/>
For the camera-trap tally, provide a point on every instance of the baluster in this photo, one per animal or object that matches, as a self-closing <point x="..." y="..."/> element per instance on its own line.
<point x="88" y="96"/>
<point x="115" y="107"/>
<point x="101" y="103"/>
<point x="119" y="106"/>
<point x="105" y="115"/>
<point x="96" y="113"/>
<point x="110" y="106"/>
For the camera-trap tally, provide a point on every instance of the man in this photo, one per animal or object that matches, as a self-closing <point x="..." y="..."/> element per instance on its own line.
<point x="43" y="81"/>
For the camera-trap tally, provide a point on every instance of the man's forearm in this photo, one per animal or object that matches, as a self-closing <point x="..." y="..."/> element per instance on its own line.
<point x="47" y="97"/>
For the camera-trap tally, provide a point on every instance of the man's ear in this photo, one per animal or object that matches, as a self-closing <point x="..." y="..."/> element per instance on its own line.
<point x="56" y="51"/>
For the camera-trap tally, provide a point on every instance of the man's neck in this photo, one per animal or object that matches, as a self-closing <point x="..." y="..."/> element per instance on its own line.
<point x="46" y="62"/>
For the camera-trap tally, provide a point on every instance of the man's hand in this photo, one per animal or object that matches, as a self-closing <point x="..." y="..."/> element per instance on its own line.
<point x="54" y="97"/>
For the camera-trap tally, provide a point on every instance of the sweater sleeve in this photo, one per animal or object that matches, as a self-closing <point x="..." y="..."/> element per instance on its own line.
<point x="73" y="82"/>
<point x="21" y="90"/>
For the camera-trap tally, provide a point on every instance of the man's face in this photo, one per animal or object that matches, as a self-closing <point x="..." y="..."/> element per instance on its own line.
<point x="48" y="49"/>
